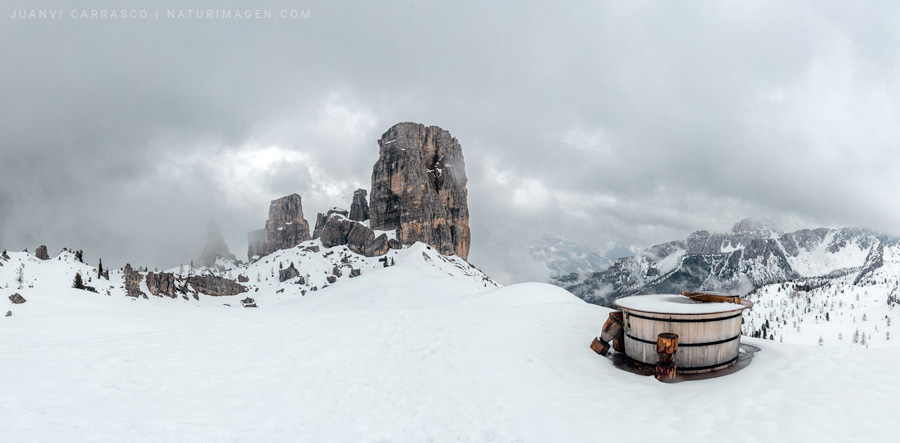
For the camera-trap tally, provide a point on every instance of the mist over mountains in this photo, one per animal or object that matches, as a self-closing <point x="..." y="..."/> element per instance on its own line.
<point x="752" y="255"/>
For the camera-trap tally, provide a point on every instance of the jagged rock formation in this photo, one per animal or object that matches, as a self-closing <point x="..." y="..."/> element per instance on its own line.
<point x="359" y="208"/>
<point x="285" y="228"/>
<point x="161" y="284"/>
<point x="419" y="188"/>
<point x="418" y="192"/>
<point x="41" y="252"/>
<point x="17" y="299"/>
<point x="288" y="273"/>
<point x="322" y="219"/>
<point x="215" y="247"/>
<point x="215" y="286"/>
<point x="133" y="282"/>
<point x="752" y="255"/>
<point x="336" y="229"/>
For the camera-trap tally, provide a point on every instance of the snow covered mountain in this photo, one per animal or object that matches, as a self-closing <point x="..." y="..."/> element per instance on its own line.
<point x="565" y="256"/>
<point x="285" y="274"/>
<point x="753" y="254"/>
<point x="419" y="350"/>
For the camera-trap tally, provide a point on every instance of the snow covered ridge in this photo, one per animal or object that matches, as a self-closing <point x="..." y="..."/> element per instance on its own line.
<point x="285" y="274"/>
<point x="751" y="256"/>
<point x="414" y="352"/>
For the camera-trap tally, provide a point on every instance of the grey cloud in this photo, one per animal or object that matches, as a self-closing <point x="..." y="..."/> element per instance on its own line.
<point x="633" y="122"/>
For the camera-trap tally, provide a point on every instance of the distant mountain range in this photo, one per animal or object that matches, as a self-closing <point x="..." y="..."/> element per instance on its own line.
<point x="752" y="255"/>
<point x="813" y="286"/>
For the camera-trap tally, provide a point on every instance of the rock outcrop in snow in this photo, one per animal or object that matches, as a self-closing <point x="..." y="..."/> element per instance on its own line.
<point x="335" y="229"/>
<point x="162" y="284"/>
<point x="419" y="188"/>
<point x="214" y="285"/>
<point x="285" y="228"/>
<point x="359" y="208"/>
<point x="133" y="282"/>
<point x="41" y="252"/>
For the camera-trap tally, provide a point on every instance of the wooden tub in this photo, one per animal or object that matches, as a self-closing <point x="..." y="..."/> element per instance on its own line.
<point x="709" y="334"/>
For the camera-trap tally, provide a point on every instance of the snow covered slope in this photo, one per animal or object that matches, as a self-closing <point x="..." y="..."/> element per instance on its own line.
<point x="859" y="308"/>
<point x="318" y="269"/>
<point x="408" y="353"/>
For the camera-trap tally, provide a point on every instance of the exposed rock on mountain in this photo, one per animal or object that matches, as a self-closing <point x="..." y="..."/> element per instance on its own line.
<point x="133" y="282"/>
<point x="322" y="219"/>
<point x="285" y="228"/>
<point x="419" y="188"/>
<point x="359" y="209"/>
<point x="288" y="273"/>
<point x="17" y="299"/>
<point x="161" y="284"/>
<point x="215" y="247"/>
<point x="216" y="286"/>
<point x="752" y="255"/>
<point x="874" y="261"/>
<point x="41" y="253"/>
<point x="335" y="229"/>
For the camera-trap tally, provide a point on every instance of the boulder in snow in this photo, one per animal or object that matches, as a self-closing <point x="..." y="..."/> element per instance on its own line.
<point x="17" y="299"/>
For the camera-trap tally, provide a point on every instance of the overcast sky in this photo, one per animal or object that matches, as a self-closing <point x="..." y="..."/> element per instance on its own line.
<point x="628" y="122"/>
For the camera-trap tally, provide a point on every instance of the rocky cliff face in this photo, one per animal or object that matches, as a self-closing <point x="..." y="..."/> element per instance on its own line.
<point x="359" y="208"/>
<point x="213" y="285"/>
<point x="162" y="284"/>
<point x="335" y="229"/>
<point x="133" y="282"/>
<point x="41" y="253"/>
<point x="753" y="254"/>
<point x="419" y="188"/>
<point x="215" y="247"/>
<point x="285" y="228"/>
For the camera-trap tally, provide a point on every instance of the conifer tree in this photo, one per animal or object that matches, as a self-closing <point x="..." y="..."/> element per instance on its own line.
<point x="20" y="275"/>
<point x="78" y="283"/>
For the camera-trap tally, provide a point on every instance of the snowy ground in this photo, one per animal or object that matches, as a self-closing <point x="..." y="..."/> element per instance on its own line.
<point x="409" y="353"/>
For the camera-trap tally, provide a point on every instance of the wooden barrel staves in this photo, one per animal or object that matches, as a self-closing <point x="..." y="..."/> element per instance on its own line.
<point x="708" y="333"/>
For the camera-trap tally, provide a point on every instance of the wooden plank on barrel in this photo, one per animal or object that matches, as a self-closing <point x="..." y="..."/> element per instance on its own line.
<point x="714" y="298"/>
